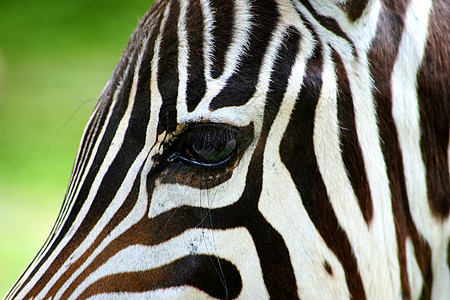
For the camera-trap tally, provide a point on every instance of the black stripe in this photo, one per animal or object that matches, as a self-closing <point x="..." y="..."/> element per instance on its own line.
<point x="85" y="149"/>
<point x="242" y="84"/>
<point x="383" y="56"/>
<point x="434" y="104"/>
<point x="282" y="68"/>
<point x="168" y="71"/>
<point x="329" y="23"/>
<point x="184" y="271"/>
<point x="84" y="153"/>
<point x="196" y="85"/>
<point x="222" y="33"/>
<point x="351" y="149"/>
<point x="274" y="256"/>
<point x="297" y="154"/>
<point x="355" y="9"/>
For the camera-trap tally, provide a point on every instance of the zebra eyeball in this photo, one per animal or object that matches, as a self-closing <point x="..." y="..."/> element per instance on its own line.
<point x="208" y="145"/>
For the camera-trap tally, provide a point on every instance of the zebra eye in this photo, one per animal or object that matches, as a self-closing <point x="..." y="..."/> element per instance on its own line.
<point x="208" y="145"/>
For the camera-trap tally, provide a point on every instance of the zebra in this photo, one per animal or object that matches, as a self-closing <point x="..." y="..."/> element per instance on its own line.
<point x="263" y="149"/>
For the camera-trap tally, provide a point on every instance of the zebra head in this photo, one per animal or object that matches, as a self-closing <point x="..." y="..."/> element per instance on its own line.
<point x="260" y="149"/>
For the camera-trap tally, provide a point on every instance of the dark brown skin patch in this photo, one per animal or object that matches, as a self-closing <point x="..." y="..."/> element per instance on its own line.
<point x="328" y="268"/>
<point x="193" y="176"/>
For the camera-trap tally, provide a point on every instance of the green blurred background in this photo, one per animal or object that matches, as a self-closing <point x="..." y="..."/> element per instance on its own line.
<point x="55" y="59"/>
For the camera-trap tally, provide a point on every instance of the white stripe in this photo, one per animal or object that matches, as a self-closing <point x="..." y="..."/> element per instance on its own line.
<point x="414" y="274"/>
<point x="184" y="292"/>
<point x="283" y="209"/>
<point x="208" y="43"/>
<point x="376" y="255"/>
<point x="236" y="50"/>
<point x="326" y="36"/>
<point x="220" y="243"/>
<point x="183" y="60"/>
<point x="405" y="110"/>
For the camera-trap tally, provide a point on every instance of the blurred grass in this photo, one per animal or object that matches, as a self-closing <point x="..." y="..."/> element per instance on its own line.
<point x="55" y="58"/>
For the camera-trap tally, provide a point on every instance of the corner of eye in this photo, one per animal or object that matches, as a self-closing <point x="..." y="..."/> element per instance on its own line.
<point x="172" y="157"/>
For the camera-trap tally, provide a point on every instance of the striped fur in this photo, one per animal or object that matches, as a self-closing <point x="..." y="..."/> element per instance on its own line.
<point x="339" y="187"/>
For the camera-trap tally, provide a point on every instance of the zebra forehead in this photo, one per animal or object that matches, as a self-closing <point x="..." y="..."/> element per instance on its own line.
<point x="182" y="59"/>
<point x="204" y="56"/>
